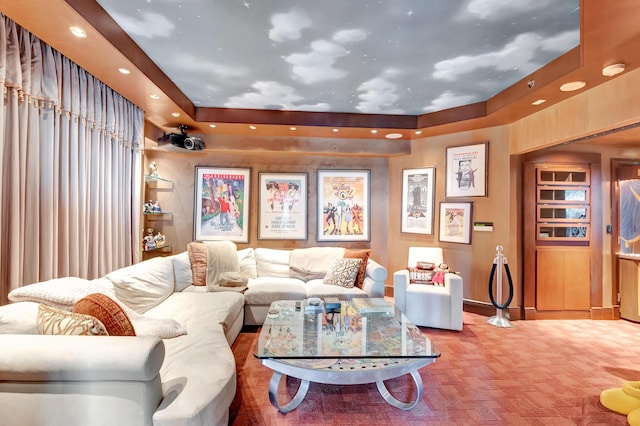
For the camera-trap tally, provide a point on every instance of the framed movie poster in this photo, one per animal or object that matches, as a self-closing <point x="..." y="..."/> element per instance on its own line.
<point x="466" y="174"/>
<point x="343" y="205"/>
<point x="455" y="222"/>
<point x="221" y="210"/>
<point x="418" y="186"/>
<point x="283" y="206"/>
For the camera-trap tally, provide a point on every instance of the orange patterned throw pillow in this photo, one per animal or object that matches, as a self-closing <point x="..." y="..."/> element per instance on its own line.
<point x="108" y="312"/>
<point x="198" y="256"/>
<point x="362" y="270"/>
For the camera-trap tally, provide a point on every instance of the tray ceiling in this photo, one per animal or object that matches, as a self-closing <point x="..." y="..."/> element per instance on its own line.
<point x="383" y="57"/>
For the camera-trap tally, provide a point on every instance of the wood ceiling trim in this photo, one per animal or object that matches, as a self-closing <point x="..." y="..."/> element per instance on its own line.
<point x="303" y="118"/>
<point x="99" y="19"/>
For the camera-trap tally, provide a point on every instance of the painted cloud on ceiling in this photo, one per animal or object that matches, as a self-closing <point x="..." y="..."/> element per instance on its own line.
<point x="379" y="56"/>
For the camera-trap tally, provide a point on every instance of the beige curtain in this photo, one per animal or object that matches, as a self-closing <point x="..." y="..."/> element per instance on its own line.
<point x="71" y="168"/>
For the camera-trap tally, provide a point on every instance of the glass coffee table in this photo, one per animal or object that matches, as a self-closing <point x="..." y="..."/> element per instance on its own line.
<point x="342" y="343"/>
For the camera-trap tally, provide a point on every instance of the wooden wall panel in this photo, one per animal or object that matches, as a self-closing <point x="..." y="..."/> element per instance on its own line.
<point x="180" y="167"/>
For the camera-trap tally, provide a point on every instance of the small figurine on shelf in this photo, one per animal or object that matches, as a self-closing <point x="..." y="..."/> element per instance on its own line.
<point x="148" y="207"/>
<point x="149" y="241"/>
<point x="160" y="240"/>
<point x="156" y="207"/>
<point x="153" y="170"/>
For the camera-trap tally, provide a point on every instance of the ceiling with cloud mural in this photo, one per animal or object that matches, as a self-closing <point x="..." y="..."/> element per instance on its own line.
<point x="362" y="56"/>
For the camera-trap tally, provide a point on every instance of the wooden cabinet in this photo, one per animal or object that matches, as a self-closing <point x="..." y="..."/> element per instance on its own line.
<point x="561" y="237"/>
<point x="563" y="279"/>
<point x="154" y="219"/>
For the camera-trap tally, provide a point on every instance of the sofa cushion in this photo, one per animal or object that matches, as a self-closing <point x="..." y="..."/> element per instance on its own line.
<point x="362" y="270"/>
<point x="272" y="262"/>
<point x="19" y="318"/>
<point x="316" y="288"/>
<point x="221" y="308"/>
<point x="182" y="270"/>
<point x="108" y="312"/>
<point x="264" y="290"/>
<point x="199" y="372"/>
<point x="198" y="259"/>
<point x="247" y="262"/>
<point x="343" y="272"/>
<point x="61" y="293"/>
<point x="58" y="322"/>
<point x="314" y="262"/>
<point x="144" y="285"/>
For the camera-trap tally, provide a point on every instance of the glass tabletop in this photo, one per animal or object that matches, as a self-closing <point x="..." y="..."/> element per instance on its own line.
<point x="357" y="328"/>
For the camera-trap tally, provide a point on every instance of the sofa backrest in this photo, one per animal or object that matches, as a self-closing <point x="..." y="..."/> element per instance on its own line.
<point x="424" y="254"/>
<point x="272" y="262"/>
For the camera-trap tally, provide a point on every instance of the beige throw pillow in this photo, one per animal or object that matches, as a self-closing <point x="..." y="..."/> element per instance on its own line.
<point x="343" y="272"/>
<point x="59" y="322"/>
<point x="223" y="268"/>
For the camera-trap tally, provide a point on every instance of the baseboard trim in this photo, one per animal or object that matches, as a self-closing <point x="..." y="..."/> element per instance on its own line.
<point x="488" y="310"/>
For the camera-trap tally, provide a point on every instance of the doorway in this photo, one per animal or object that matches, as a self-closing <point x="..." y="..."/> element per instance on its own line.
<point x="562" y="236"/>
<point x="626" y="236"/>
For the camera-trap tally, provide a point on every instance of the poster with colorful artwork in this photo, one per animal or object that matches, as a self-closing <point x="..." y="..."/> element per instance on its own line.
<point x="221" y="210"/>
<point x="283" y="206"/>
<point x="455" y="222"/>
<point x="343" y="205"/>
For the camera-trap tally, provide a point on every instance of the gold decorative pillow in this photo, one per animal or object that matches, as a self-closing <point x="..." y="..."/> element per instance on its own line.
<point x="108" y="312"/>
<point x="362" y="270"/>
<point x="343" y="272"/>
<point x="198" y="255"/>
<point x="59" y="322"/>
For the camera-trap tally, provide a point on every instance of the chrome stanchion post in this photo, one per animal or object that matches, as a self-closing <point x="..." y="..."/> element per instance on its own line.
<point x="499" y="319"/>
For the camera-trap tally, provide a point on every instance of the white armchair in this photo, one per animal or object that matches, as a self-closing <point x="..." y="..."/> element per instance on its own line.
<point x="429" y="305"/>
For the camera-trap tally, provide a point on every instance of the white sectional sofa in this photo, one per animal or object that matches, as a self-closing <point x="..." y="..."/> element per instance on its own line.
<point x="277" y="278"/>
<point x="179" y="370"/>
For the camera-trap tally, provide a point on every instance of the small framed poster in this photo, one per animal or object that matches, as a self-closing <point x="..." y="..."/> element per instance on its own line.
<point x="418" y="186"/>
<point x="221" y="210"/>
<point x="343" y="205"/>
<point x="455" y="222"/>
<point x="283" y="206"/>
<point x="466" y="171"/>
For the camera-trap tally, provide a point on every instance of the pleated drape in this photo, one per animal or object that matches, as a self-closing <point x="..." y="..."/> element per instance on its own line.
<point x="71" y="168"/>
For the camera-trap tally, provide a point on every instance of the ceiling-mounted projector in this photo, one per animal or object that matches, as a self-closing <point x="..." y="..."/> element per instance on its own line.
<point x="182" y="140"/>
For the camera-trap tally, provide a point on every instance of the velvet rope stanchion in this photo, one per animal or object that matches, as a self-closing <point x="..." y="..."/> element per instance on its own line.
<point x="499" y="319"/>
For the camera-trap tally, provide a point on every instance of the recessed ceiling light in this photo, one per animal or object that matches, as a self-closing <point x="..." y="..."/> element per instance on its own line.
<point x="611" y="70"/>
<point x="538" y="102"/>
<point x="292" y="128"/>
<point x="213" y="126"/>
<point x="78" y="32"/>
<point x="335" y="130"/>
<point x="418" y="132"/>
<point x="374" y="131"/>
<point x="124" y="71"/>
<point x="154" y="96"/>
<point x="175" y="114"/>
<point x="252" y="127"/>
<point x="574" y="85"/>
<point x="393" y="135"/>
